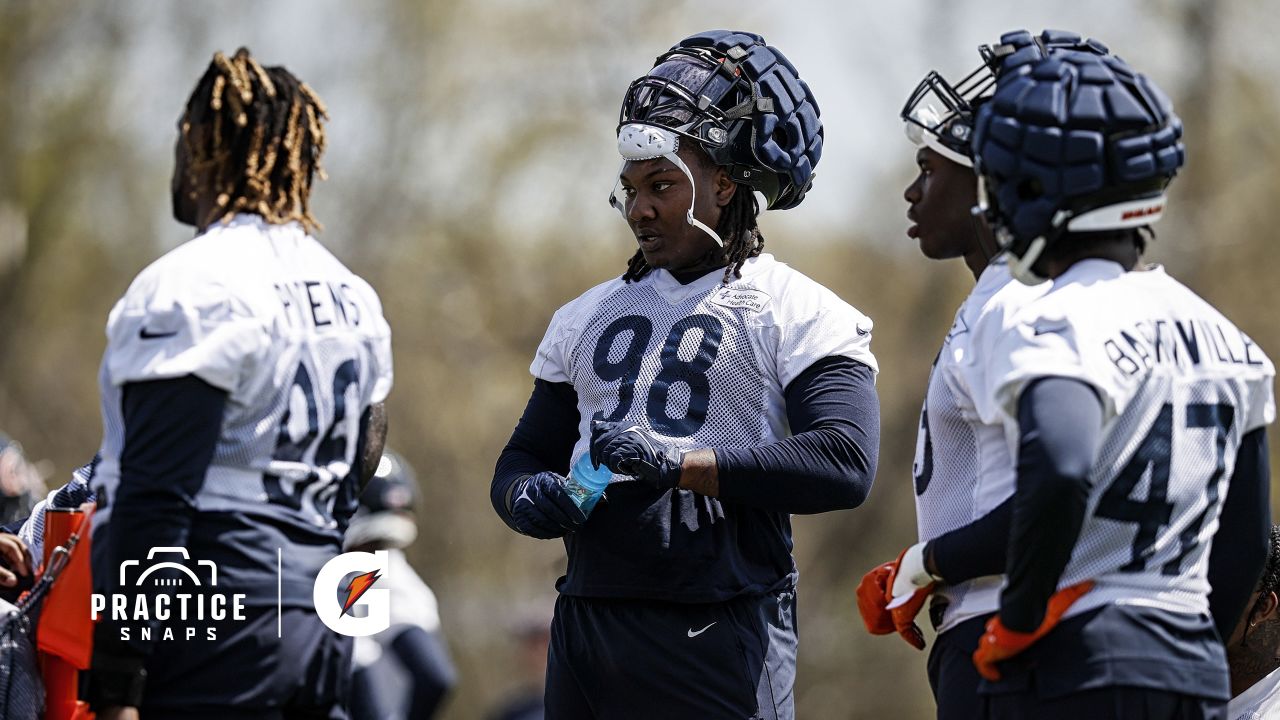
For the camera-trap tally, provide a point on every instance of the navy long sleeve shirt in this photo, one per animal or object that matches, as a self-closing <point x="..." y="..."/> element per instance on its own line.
<point x="742" y="539"/>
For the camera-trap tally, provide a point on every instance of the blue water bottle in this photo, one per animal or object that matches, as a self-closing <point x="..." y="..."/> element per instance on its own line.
<point x="586" y="484"/>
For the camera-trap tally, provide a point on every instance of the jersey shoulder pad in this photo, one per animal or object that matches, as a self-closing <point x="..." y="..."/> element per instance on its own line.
<point x="810" y="321"/>
<point x="1044" y="338"/>
<point x="984" y="318"/>
<point x="552" y="361"/>
<point x="1254" y="366"/>
<point x="183" y="315"/>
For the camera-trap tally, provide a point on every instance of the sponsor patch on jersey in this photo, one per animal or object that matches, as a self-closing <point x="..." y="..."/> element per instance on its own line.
<point x="747" y="299"/>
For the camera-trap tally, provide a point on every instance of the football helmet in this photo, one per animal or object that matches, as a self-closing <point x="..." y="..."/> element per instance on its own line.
<point x="939" y="115"/>
<point x="1071" y="140"/>
<point x="385" y="516"/>
<point x="741" y="100"/>
<point x="21" y="485"/>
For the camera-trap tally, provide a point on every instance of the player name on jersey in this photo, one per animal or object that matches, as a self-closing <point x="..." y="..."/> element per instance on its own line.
<point x="319" y="304"/>
<point x="1183" y="343"/>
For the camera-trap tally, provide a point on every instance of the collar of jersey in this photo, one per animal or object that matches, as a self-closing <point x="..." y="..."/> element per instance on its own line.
<point x="673" y="292"/>
<point x="257" y="221"/>
<point x="1091" y="269"/>
<point x="1256" y="692"/>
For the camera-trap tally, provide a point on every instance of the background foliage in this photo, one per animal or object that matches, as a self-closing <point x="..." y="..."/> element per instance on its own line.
<point x="471" y="152"/>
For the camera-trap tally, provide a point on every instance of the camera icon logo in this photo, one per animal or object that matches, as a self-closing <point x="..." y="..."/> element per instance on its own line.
<point x="182" y="574"/>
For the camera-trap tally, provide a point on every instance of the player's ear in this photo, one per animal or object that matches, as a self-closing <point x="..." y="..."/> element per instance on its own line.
<point x="724" y="186"/>
<point x="1268" y="606"/>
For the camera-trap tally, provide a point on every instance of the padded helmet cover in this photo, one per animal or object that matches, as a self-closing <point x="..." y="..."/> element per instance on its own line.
<point x="743" y="102"/>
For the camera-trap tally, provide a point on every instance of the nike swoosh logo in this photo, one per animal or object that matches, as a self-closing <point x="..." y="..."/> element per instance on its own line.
<point x="695" y="633"/>
<point x="147" y="335"/>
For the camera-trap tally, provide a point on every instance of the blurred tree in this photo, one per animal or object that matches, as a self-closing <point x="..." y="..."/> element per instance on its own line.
<point x="68" y="183"/>
<point x="471" y="155"/>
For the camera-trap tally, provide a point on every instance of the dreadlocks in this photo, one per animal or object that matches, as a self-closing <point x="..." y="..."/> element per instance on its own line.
<point x="1270" y="581"/>
<point x="256" y="134"/>
<point x="737" y="226"/>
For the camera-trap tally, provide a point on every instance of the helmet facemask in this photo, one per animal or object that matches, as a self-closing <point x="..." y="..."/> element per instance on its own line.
<point x="683" y="97"/>
<point x="939" y="116"/>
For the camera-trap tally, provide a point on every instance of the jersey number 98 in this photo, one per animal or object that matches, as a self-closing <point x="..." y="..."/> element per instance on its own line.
<point x="316" y="492"/>
<point x="674" y="369"/>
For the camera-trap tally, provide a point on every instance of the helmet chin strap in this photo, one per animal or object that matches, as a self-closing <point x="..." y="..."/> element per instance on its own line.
<point x="1019" y="267"/>
<point x="637" y="142"/>
<point x="982" y="233"/>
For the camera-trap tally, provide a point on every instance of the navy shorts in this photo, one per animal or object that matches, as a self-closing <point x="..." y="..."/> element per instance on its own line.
<point x="248" y="673"/>
<point x="1128" y="662"/>
<point x="621" y="659"/>
<point x="952" y="674"/>
<point x="1106" y="703"/>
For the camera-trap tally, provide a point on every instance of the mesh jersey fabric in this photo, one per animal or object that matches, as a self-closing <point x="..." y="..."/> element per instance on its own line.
<point x="1180" y="386"/>
<point x="299" y="344"/>
<point x="963" y="467"/>
<point x="702" y="365"/>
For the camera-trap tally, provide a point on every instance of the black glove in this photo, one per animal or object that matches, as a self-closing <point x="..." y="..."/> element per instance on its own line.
<point x="631" y="450"/>
<point x="542" y="508"/>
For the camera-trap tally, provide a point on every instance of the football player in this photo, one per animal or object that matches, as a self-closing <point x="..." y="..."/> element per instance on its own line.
<point x="241" y="388"/>
<point x="682" y="377"/>
<point x="20" y="482"/>
<point x="1137" y="411"/>
<point x="1253" y="649"/>
<point x="405" y="670"/>
<point x="964" y="470"/>
<point x="70" y="496"/>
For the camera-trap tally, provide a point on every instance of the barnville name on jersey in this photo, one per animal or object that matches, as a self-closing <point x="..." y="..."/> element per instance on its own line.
<point x="143" y="608"/>
<point x="319" y="304"/>
<point x="1183" y="343"/>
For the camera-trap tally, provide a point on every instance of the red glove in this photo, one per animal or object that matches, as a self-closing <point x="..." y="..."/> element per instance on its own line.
<point x="873" y="596"/>
<point x="892" y="594"/>
<point x="907" y="595"/>
<point x="1001" y="643"/>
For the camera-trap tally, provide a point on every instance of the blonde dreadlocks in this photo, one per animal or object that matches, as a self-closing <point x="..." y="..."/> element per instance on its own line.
<point x="256" y="134"/>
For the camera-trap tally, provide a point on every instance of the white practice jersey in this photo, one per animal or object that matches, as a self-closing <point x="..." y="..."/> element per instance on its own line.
<point x="963" y="467"/>
<point x="1260" y="702"/>
<point x="1180" y="386"/>
<point x="703" y="365"/>
<point x="296" y="340"/>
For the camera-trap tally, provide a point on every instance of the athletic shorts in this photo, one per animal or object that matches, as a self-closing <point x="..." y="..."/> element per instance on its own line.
<point x="250" y="674"/>
<point x="621" y="659"/>
<point x="952" y="674"/>
<point x="1106" y="703"/>
<point x="1128" y="662"/>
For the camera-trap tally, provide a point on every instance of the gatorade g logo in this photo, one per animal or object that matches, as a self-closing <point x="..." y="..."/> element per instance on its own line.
<point x="335" y="596"/>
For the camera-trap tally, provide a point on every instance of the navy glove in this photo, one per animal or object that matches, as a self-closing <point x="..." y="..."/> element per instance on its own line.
<point x="630" y="450"/>
<point x="542" y="508"/>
